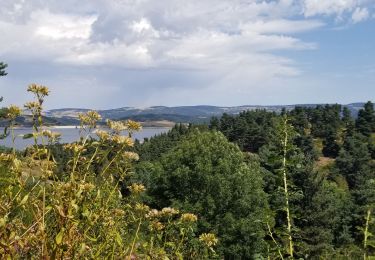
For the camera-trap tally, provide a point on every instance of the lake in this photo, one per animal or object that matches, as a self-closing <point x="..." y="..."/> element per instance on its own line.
<point x="71" y="134"/>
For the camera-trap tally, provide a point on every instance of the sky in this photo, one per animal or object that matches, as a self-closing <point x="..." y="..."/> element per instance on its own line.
<point x="104" y="54"/>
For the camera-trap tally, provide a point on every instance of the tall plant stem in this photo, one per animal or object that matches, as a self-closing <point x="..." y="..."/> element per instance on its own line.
<point x="286" y="193"/>
<point x="366" y="234"/>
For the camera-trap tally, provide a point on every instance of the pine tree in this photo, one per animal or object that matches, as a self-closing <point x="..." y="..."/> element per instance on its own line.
<point x="2" y="69"/>
<point x="366" y="119"/>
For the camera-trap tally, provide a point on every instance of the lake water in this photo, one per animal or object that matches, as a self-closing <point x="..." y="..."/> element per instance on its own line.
<point x="71" y="134"/>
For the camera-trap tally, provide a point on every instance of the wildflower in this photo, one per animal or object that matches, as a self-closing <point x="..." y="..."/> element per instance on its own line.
<point x="90" y="118"/>
<point x="5" y="157"/>
<point x="208" y="239"/>
<point x="103" y="135"/>
<point x="123" y="140"/>
<point x="116" y="126"/>
<point x="169" y="211"/>
<point x="38" y="89"/>
<point x="154" y="213"/>
<point x="132" y="125"/>
<point x="188" y="217"/>
<point x="136" y="188"/>
<point x="74" y="147"/>
<point x="32" y="105"/>
<point x="131" y="156"/>
<point x="13" y="111"/>
<point x="86" y="186"/>
<point x="157" y="226"/>
<point x="118" y="212"/>
<point x="142" y="207"/>
<point x="51" y="135"/>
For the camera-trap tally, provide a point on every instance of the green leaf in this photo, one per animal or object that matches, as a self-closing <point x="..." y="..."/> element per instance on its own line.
<point x="3" y="221"/>
<point x="24" y="200"/>
<point x="28" y="136"/>
<point x="118" y="239"/>
<point x="59" y="236"/>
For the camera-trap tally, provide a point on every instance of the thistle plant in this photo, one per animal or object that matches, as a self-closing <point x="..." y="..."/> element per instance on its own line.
<point x="82" y="211"/>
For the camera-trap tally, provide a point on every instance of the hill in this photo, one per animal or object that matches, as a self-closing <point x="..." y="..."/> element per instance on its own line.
<point x="185" y="114"/>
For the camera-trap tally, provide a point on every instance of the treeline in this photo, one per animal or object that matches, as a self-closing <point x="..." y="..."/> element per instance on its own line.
<point x="300" y="184"/>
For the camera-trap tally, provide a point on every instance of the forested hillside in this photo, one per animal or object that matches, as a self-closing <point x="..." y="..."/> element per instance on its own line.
<point x="298" y="184"/>
<point x="308" y="193"/>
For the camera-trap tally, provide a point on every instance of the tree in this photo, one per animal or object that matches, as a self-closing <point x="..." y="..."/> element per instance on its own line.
<point x="330" y="145"/>
<point x="207" y="175"/>
<point x="3" y="66"/>
<point x="327" y="220"/>
<point x="354" y="160"/>
<point x="284" y="164"/>
<point x="366" y="119"/>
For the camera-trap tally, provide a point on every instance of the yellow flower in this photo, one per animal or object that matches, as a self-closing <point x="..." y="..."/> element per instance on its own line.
<point x="136" y="188"/>
<point x="32" y="105"/>
<point x="74" y="147"/>
<point x="142" y="207"/>
<point x="123" y="140"/>
<point x="208" y="239"/>
<point x="157" y="226"/>
<point x="134" y="126"/>
<point x="51" y="135"/>
<point x="131" y="156"/>
<point x="169" y="211"/>
<point x="38" y="89"/>
<point x="13" y="111"/>
<point x="154" y="213"/>
<point x="90" y="118"/>
<point x="5" y="157"/>
<point x="116" y="126"/>
<point x="188" y="217"/>
<point x="103" y="135"/>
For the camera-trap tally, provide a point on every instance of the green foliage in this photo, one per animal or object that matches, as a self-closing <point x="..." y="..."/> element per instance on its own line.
<point x="81" y="212"/>
<point x="3" y="66"/>
<point x="209" y="176"/>
<point x="365" y="122"/>
<point x="250" y="129"/>
<point x="327" y="224"/>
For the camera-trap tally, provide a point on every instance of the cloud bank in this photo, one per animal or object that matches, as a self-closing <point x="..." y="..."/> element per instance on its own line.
<point x="162" y="48"/>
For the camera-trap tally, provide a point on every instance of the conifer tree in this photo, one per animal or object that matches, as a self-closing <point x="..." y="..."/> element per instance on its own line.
<point x="2" y="69"/>
<point x="366" y="119"/>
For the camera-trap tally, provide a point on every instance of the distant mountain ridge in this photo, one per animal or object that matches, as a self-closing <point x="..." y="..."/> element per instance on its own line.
<point x="183" y="114"/>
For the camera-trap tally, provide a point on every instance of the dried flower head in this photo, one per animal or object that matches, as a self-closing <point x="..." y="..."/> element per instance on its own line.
<point x="103" y="135"/>
<point x="74" y="147"/>
<point x="130" y="156"/>
<point x="156" y="226"/>
<point x="51" y="135"/>
<point x="188" y="217"/>
<point x="208" y="239"/>
<point x="13" y="111"/>
<point x="38" y="89"/>
<point x="142" y="207"/>
<point x="90" y="118"/>
<point x="5" y="157"/>
<point x="168" y="212"/>
<point x="154" y="213"/>
<point x="123" y="140"/>
<point x="133" y="126"/>
<point x="136" y="188"/>
<point x="33" y="105"/>
<point x="117" y="126"/>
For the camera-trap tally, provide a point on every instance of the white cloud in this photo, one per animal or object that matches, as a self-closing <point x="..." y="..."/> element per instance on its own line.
<point x="328" y="7"/>
<point x="206" y="43"/>
<point x="356" y="10"/>
<point x="360" y="14"/>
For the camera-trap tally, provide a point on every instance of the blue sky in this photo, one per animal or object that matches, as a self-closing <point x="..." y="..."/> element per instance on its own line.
<point x="115" y="53"/>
